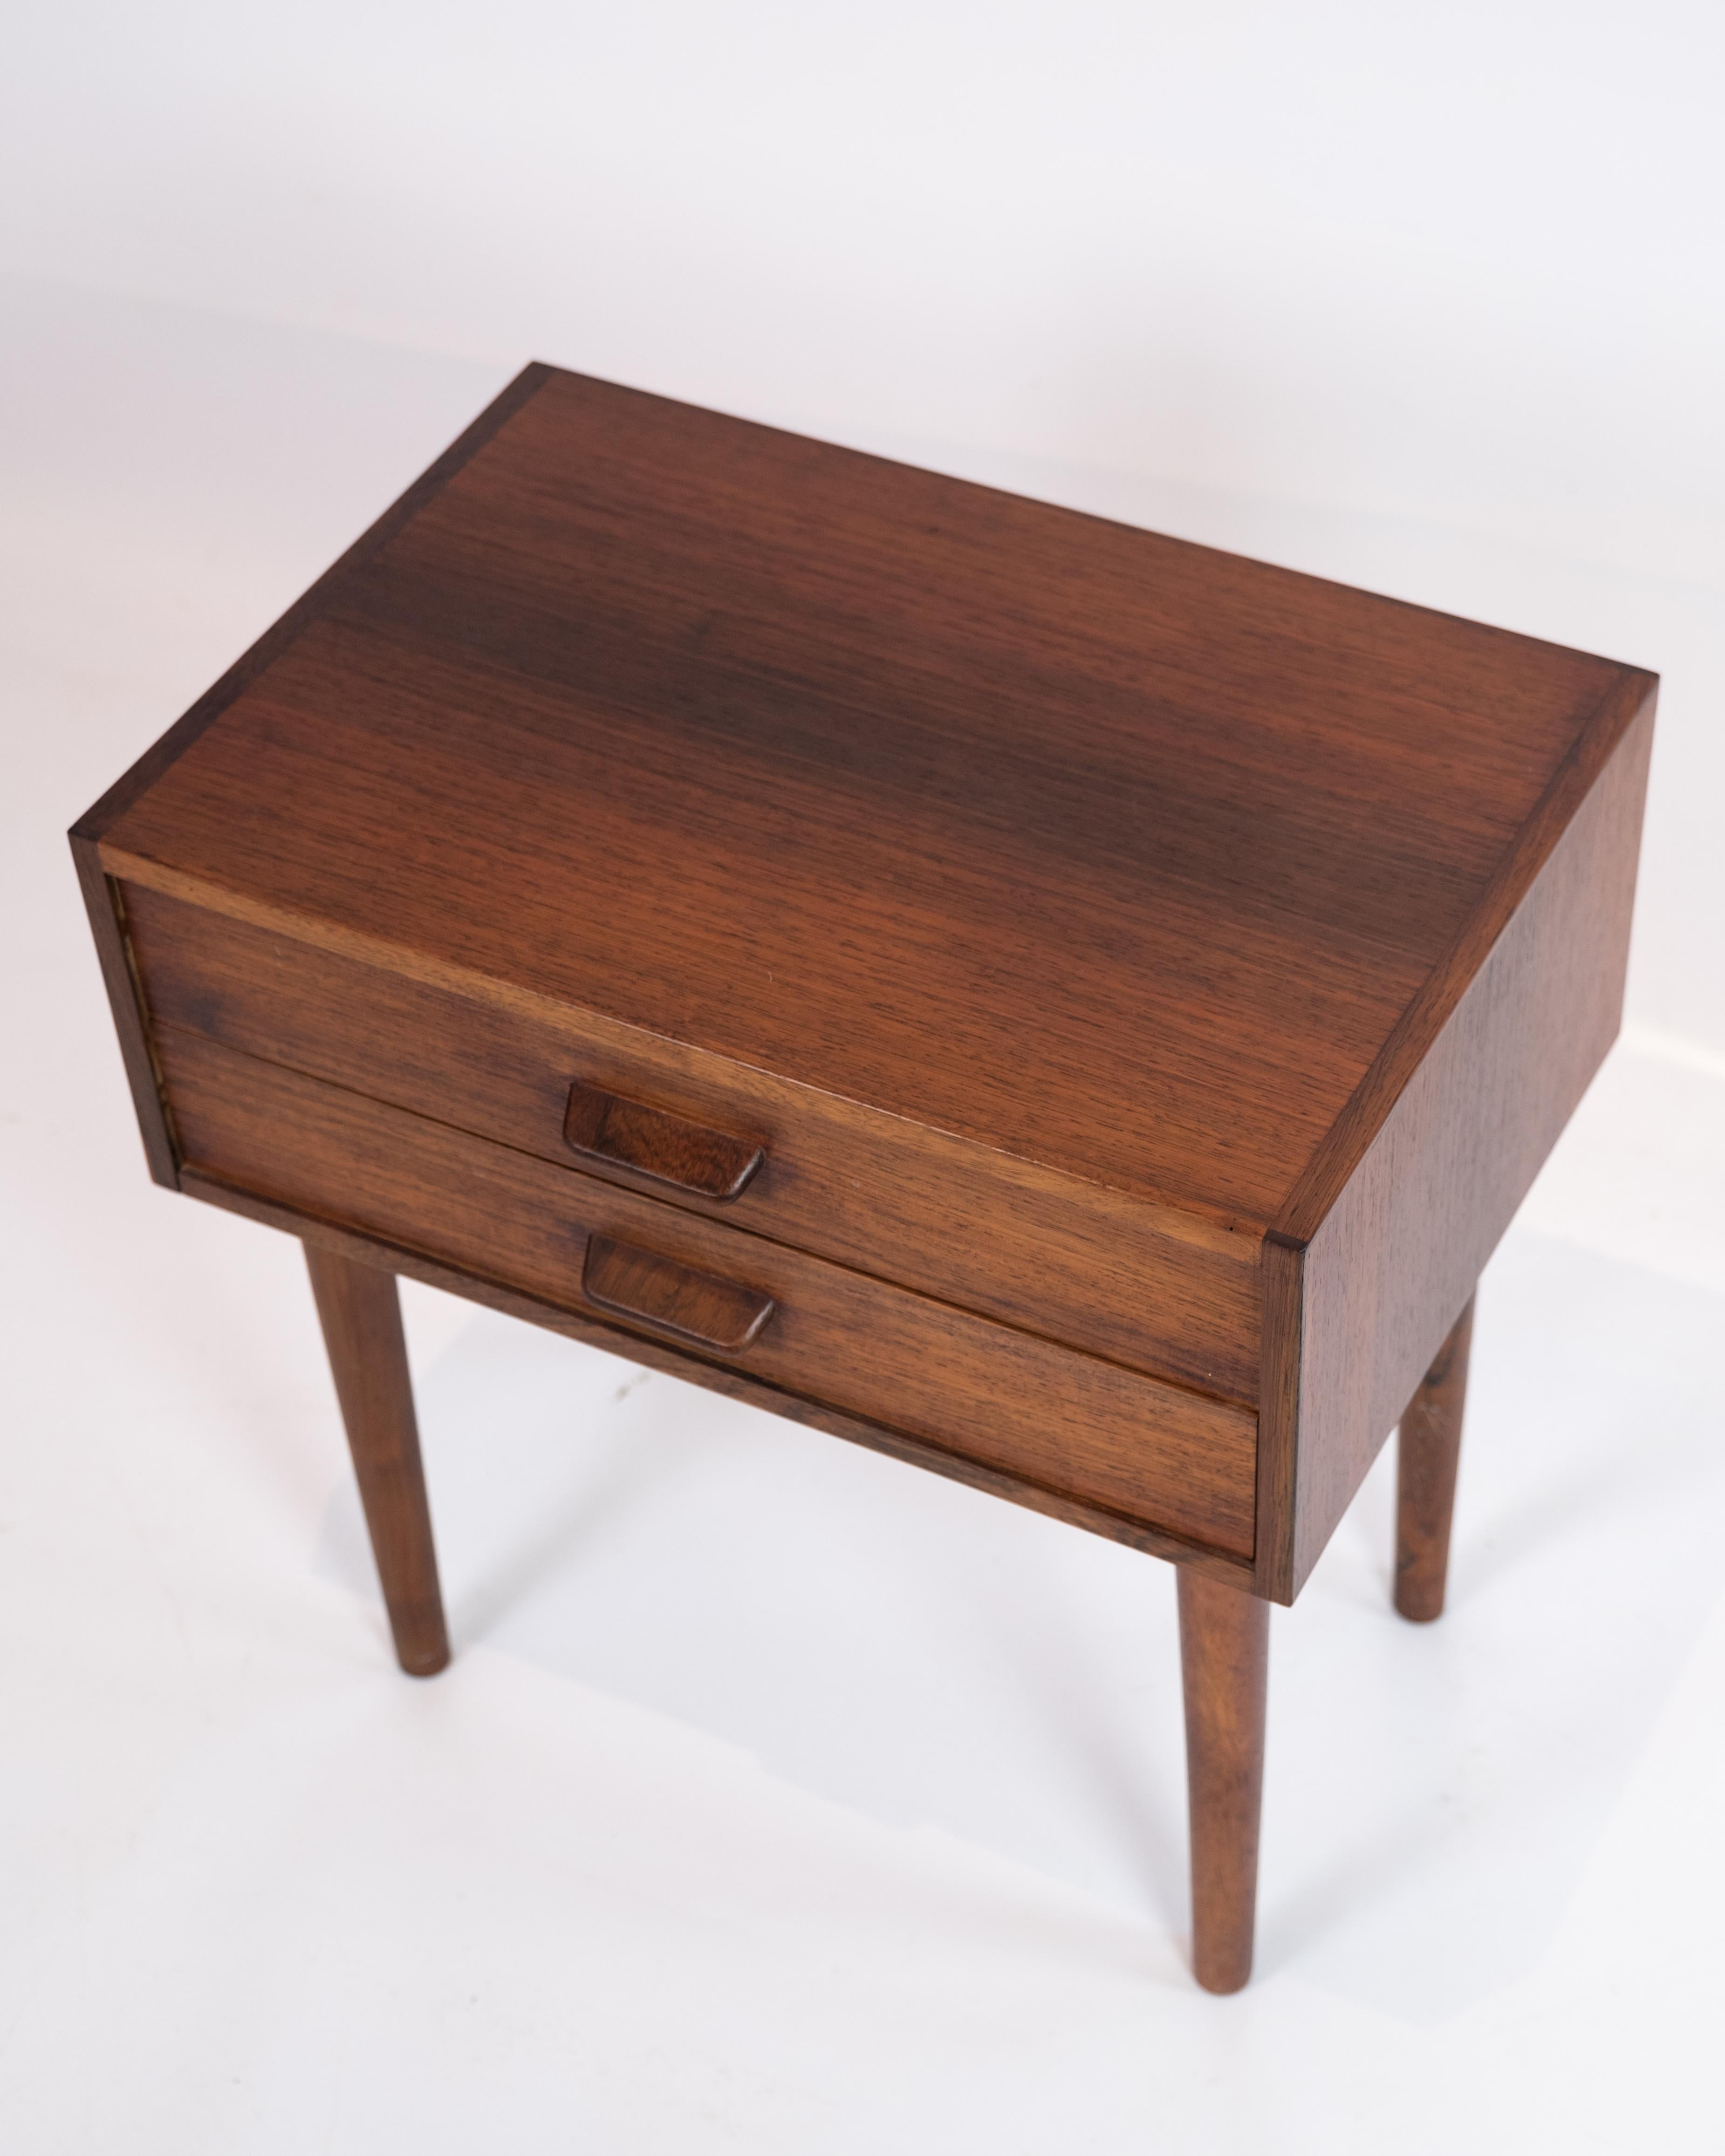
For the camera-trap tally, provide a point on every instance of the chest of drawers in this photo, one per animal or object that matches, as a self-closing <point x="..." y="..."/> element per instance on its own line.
<point x="1068" y="1007"/>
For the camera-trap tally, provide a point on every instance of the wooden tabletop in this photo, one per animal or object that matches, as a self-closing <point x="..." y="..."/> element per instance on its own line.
<point x="1148" y="863"/>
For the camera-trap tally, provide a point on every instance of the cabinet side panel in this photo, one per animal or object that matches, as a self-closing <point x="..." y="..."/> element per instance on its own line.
<point x="1388" y="1271"/>
<point x="107" y="923"/>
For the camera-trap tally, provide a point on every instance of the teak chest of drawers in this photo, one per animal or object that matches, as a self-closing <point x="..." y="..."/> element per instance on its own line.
<point x="1070" y="1008"/>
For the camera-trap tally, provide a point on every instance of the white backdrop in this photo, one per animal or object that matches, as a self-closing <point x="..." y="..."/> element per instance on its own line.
<point x="1432" y="300"/>
<point x="1460" y="266"/>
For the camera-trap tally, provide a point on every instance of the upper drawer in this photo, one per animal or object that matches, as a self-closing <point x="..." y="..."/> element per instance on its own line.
<point x="1144" y="1285"/>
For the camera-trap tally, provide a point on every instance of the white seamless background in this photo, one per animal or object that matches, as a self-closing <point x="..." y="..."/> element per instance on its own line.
<point x="777" y="1798"/>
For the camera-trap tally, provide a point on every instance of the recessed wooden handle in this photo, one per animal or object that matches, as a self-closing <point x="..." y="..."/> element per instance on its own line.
<point x="672" y="1298"/>
<point x="624" y="1133"/>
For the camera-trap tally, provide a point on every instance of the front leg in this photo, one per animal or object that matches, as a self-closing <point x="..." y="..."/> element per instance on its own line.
<point x="360" y="1311"/>
<point x="1225" y="1663"/>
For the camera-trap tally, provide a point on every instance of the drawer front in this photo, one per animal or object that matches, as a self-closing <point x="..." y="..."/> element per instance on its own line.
<point x="1006" y="1399"/>
<point x="949" y="1218"/>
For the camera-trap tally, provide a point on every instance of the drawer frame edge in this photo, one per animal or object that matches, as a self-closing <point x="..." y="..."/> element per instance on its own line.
<point x="106" y="909"/>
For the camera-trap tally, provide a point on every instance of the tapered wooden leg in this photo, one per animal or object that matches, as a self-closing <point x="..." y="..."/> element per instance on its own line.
<point x="1224" y="1662"/>
<point x="1427" y="1451"/>
<point x="361" y="1314"/>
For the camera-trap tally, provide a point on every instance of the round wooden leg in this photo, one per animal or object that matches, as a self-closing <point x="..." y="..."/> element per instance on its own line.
<point x="360" y="1311"/>
<point x="1225" y="1663"/>
<point x="1428" y="1450"/>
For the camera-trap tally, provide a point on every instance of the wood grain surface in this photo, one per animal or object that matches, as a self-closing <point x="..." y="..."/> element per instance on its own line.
<point x="1428" y="1452"/>
<point x="105" y="907"/>
<point x="1104" y="850"/>
<point x="696" y="1307"/>
<point x="1068" y="1009"/>
<point x="614" y="1134"/>
<point x="102" y="900"/>
<point x="1176" y="1461"/>
<point x="360" y="1312"/>
<point x="1167" y="1294"/>
<point x="589" y="1325"/>
<point x="1357" y="1314"/>
<point x="1225" y="1668"/>
<point x="1180" y="959"/>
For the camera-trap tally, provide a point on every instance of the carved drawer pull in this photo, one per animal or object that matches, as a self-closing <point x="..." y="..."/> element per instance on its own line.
<point x="672" y="1298"/>
<point x="652" y="1141"/>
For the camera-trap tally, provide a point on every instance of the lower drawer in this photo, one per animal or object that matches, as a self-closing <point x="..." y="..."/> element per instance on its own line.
<point x="1006" y="1400"/>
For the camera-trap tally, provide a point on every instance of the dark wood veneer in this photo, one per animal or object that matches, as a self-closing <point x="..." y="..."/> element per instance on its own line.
<point x="1173" y="1460"/>
<point x="616" y="1134"/>
<point x="106" y="910"/>
<point x="588" y="1327"/>
<point x="1143" y="1285"/>
<point x="1225" y="1668"/>
<point x="1104" y="850"/>
<point x="1428" y="1454"/>
<point x="1070" y="1009"/>
<point x="1363" y="1306"/>
<point x="642" y="1288"/>
<point x="360" y="1312"/>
